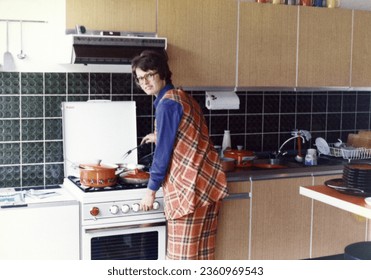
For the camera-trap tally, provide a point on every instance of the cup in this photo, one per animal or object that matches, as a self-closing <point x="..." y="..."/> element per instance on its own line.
<point x="311" y="157"/>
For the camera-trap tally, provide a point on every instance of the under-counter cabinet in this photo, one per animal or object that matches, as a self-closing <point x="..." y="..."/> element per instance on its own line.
<point x="113" y="15"/>
<point x="280" y="219"/>
<point x="267" y="45"/>
<point x="333" y="228"/>
<point x="232" y="241"/>
<point x="324" y="49"/>
<point x="201" y="41"/>
<point x="361" y="54"/>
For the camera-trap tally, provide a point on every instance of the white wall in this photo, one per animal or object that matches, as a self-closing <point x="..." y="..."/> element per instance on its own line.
<point x="47" y="47"/>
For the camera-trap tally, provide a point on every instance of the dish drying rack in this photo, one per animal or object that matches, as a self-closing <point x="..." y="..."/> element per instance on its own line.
<point x="349" y="153"/>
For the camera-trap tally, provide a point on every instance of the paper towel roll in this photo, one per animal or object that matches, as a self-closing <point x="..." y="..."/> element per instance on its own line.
<point x="222" y="100"/>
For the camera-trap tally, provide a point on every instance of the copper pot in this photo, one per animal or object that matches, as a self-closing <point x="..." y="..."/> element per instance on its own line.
<point x="98" y="175"/>
<point x="244" y="158"/>
<point x="228" y="164"/>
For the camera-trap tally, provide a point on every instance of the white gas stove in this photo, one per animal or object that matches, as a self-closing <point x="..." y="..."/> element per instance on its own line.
<point x="112" y="225"/>
<point x="117" y="204"/>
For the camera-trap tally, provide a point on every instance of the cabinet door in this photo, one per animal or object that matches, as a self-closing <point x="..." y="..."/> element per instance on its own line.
<point x="333" y="228"/>
<point x="232" y="242"/>
<point x="113" y="15"/>
<point x="324" y="47"/>
<point x="361" y="62"/>
<point x="267" y="45"/>
<point x="201" y="41"/>
<point x="280" y="227"/>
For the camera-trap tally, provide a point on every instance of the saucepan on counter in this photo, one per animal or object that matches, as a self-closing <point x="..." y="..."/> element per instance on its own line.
<point x="243" y="158"/>
<point x="228" y="164"/>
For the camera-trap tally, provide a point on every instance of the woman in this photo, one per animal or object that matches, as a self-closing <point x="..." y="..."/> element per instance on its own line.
<point x="185" y="163"/>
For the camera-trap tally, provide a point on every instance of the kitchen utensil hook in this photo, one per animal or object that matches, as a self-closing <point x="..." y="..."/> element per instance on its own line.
<point x="8" y="62"/>
<point x="21" y="55"/>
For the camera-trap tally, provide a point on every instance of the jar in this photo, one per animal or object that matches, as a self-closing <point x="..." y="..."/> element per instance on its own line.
<point x="311" y="157"/>
<point x="226" y="140"/>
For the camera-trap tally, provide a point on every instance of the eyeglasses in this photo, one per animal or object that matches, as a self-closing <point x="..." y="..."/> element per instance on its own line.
<point x="147" y="77"/>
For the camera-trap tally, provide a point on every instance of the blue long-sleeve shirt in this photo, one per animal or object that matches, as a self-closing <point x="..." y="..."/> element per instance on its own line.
<point x="168" y="114"/>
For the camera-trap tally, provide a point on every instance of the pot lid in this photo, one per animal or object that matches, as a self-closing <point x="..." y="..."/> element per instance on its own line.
<point x="98" y="130"/>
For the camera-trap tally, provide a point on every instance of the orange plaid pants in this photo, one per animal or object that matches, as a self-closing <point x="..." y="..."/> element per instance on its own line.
<point x="192" y="237"/>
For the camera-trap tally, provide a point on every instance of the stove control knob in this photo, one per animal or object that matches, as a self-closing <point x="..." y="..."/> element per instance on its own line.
<point x="125" y="208"/>
<point x="135" y="207"/>
<point x="114" y="209"/>
<point x="156" y="205"/>
<point x="94" y="211"/>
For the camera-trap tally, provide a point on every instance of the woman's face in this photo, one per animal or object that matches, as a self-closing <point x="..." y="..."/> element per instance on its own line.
<point x="150" y="81"/>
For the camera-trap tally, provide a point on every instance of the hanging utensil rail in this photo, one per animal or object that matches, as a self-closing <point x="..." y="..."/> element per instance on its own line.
<point x="22" y="20"/>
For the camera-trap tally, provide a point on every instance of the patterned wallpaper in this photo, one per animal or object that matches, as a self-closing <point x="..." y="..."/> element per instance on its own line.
<point x="31" y="144"/>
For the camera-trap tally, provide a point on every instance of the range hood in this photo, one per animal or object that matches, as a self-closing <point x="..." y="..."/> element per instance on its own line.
<point x="101" y="49"/>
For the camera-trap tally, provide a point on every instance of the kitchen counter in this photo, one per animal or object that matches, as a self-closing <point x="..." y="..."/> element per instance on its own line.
<point x="248" y="173"/>
<point x="349" y="203"/>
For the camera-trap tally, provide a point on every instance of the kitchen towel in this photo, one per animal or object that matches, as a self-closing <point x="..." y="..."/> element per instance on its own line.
<point x="222" y="100"/>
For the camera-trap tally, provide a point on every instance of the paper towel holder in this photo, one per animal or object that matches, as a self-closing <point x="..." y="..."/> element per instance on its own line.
<point x="222" y="100"/>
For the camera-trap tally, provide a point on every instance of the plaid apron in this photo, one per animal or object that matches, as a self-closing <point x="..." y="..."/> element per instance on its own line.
<point x="192" y="237"/>
<point x="195" y="177"/>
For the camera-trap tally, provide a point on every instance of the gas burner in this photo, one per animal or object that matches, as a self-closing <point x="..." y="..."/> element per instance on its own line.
<point x="118" y="187"/>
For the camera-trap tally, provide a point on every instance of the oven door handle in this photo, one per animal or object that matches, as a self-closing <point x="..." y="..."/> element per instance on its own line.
<point x="104" y="229"/>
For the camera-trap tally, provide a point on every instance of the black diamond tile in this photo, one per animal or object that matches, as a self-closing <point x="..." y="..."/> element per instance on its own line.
<point x="9" y="130"/>
<point x="32" y="107"/>
<point x="32" y="83"/>
<point x="32" y="152"/>
<point x="55" y="83"/>
<point x="32" y="175"/>
<point x="9" y="153"/>
<point x="32" y="129"/>
<point x="10" y="176"/>
<point x="9" y="83"/>
<point x="9" y="107"/>
<point x="78" y="83"/>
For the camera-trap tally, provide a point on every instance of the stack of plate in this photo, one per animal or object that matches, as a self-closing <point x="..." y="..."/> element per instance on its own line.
<point x="358" y="176"/>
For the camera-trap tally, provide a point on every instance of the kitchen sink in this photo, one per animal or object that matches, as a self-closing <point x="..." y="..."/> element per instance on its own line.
<point x="290" y="162"/>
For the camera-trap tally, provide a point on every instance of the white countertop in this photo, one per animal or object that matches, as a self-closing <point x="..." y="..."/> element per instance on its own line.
<point x="350" y="203"/>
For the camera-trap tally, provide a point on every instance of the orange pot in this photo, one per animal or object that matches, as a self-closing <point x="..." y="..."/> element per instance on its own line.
<point x="228" y="164"/>
<point x="244" y="158"/>
<point x="98" y="175"/>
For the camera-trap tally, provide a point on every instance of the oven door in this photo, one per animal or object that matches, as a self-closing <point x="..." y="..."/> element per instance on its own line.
<point x="125" y="242"/>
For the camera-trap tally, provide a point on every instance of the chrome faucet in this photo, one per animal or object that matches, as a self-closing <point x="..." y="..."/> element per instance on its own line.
<point x="296" y="134"/>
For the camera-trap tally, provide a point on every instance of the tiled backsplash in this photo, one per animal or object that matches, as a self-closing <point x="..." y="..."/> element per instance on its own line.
<point x="31" y="144"/>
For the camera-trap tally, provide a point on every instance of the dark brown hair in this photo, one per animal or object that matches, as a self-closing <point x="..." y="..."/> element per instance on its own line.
<point x="152" y="60"/>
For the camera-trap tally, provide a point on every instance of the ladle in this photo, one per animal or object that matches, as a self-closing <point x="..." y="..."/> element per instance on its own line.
<point x="21" y="55"/>
<point x="8" y="58"/>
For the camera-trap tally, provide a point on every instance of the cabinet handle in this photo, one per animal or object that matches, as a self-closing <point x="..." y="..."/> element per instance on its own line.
<point x="234" y="196"/>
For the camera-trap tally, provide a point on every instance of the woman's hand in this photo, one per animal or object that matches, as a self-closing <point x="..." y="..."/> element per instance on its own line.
<point x="147" y="201"/>
<point x="149" y="138"/>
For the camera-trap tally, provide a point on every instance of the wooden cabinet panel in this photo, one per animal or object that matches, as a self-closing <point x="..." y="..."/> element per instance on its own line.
<point x="201" y="41"/>
<point x="324" y="47"/>
<point x="281" y="219"/>
<point x="232" y="242"/>
<point x="267" y="45"/>
<point x="112" y="15"/>
<point x="333" y="228"/>
<point x="361" y="60"/>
